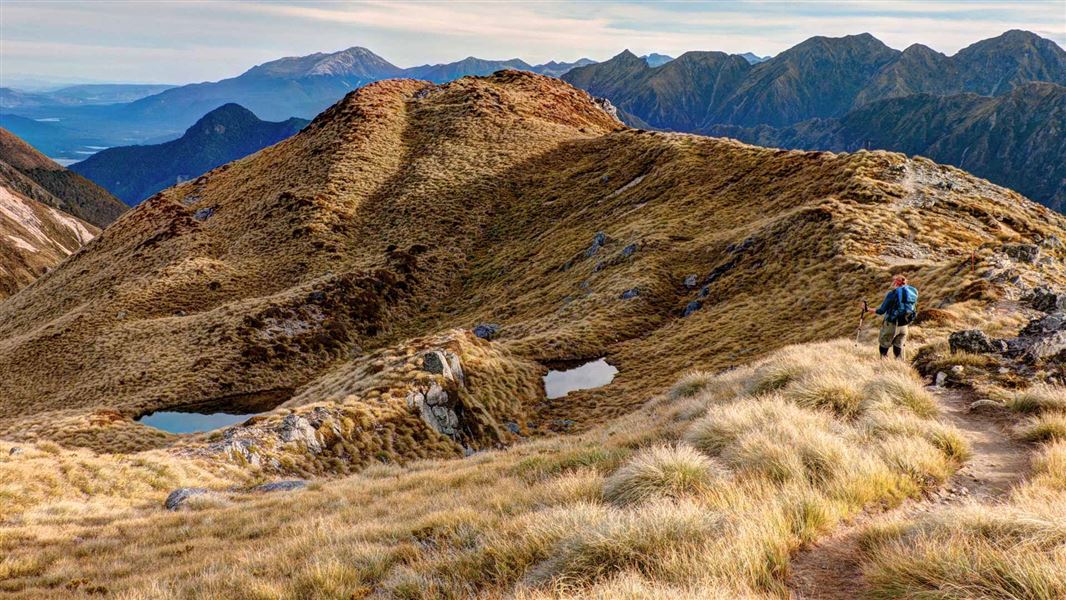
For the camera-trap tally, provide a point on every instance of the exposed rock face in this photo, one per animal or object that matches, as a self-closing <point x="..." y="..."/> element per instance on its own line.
<point x="486" y="331"/>
<point x="281" y="486"/>
<point x="439" y="404"/>
<point x="1026" y="253"/>
<point x="176" y="500"/>
<point x="692" y="307"/>
<point x="1046" y="300"/>
<point x="1041" y="340"/>
<point x="295" y="428"/>
<point x="974" y="341"/>
<point x="607" y="107"/>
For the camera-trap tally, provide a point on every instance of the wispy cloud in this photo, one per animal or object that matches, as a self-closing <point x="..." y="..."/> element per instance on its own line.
<point x="184" y="41"/>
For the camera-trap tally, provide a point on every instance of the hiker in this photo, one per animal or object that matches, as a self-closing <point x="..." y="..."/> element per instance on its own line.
<point x="899" y="310"/>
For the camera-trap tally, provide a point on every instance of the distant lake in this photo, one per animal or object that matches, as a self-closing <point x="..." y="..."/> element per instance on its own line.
<point x="592" y="374"/>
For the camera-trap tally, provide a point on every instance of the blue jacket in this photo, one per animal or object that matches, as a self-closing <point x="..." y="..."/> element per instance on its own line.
<point x="891" y="307"/>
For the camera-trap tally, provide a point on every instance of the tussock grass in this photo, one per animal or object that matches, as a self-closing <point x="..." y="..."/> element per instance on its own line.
<point x="624" y="510"/>
<point x="661" y="539"/>
<point x="901" y="389"/>
<point x="1045" y="427"/>
<point x="1049" y="467"/>
<point x="978" y="550"/>
<point x="836" y="391"/>
<point x="1038" y="398"/>
<point x="692" y="383"/>
<point x="669" y="472"/>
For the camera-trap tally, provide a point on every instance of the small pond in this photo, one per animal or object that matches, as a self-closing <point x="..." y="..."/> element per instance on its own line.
<point x="218" y="412"/>
<point x="190" y="422"/>
<point x="576" y="375"/>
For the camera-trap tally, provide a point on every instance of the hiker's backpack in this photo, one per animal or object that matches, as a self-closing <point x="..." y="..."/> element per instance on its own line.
<point x="906" y="309"/>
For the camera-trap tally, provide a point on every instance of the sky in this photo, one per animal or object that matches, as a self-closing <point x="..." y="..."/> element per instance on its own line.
<point x="171" y="41"/>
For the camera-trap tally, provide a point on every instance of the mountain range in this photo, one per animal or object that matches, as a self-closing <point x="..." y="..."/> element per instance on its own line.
<point x="805" y="92"/>
<point x="819" y="78"/>
<point x="300" y="86"/>
<point x="442" y="73"/>
<point x="1017" y="139"/>
<point x="84" y="94"/>
<point x="227" y="133"/>
<point x="855" y="92"/>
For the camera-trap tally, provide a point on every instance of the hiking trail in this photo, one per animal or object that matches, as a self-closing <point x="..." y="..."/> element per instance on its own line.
<point x="829" y="569"/>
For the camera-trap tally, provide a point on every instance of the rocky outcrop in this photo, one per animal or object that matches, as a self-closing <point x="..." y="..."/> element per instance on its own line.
<point x="1046" y="300"/>
<point x="1043" y="339"/>
<point x="288" y="485"/>
<point x="439" y="404"/>
<point x="486" y="331"/>
<point x="295" y="428"/>
<point x="178" y="499"/>
<point x="974" y="341"/>
<point x="1025" y="253"/>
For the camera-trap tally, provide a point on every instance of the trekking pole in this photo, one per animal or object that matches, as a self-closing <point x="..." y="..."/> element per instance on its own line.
<point x="862" y="319"/>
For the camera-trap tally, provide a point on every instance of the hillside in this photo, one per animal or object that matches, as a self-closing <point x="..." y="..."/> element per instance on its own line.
<point x="245" y="281"/>
<point x="227" y="133"/>
<point x="854" y="92"/>
<point x="818" y="78"/>
<point x="1015" y="140"/>
<point x="332" y="283"/>
<point x="29" y="172"/>
<point x="34" y="238"/>
<point x="664" y="97"/>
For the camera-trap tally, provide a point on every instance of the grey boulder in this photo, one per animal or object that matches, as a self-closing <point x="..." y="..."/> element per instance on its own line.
<point x="974" y="341"/>
<point x="177" y="499"/>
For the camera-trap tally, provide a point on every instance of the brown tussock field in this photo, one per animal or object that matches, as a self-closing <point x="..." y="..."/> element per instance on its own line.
<point x="709" y="488"/>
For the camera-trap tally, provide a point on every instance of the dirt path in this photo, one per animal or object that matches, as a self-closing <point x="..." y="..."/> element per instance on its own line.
<point x="830" y="569"/>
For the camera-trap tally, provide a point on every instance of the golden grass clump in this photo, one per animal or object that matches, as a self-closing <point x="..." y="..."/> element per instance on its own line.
<point x="833" y="390"/>
<point x="1045" y="427"/>
<point x="1049" y="467"/>
<point x="658" y="538"/>
<point x="901" y="389"/>
<point x="1038" y="398"/>
<point x="669" y="472"/>
<point x="691" y="384"/>
<point x="1006" y="550"/>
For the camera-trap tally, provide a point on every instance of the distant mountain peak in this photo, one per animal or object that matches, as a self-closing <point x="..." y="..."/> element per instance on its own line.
<point x="228" y="115"/>
<point x="753" y="58"/>
<point x="227" y="133"/>
<point x="656" y="60"/>
<point x="354" y="62"/>
<point x="920" y="49"/>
